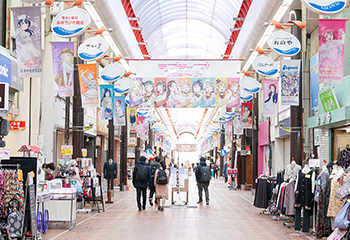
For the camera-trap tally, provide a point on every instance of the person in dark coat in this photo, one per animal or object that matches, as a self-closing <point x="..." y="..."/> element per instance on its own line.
<point x="141" y="187"/>
<point x="202" y="185"/>
<point x="110" y="170"/>
<point x="154" y="165"/>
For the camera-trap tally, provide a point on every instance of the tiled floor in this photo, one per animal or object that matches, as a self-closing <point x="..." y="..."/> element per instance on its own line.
<point x="230" y="215"/>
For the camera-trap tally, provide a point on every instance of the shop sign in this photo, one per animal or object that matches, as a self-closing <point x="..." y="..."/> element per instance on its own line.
<point x="329" y="100"/>
<point x="5" y="69"/>
<point x="325" y="7"/>
<point x="84" y="152"/>
<point x="317" y="136"/>
<point x="4" y="153"/>
<point x="132" y="142"/>
<point x="17" y="125"/>
<point x="245" y="96"/>
<point x="315" y="163"/>
<point x="93" y="49"/>
<point x="71" y="22"/>
<point x="67" y="150"/>
<point x="249" y="85"/>
<point x="112" y="72"/>
<point x="123" y="85"/>
<point x="265" y="66"/>
<point x="284" y="43"/>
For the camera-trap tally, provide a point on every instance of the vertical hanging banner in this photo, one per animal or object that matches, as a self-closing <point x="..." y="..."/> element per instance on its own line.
<point x="158" y="140"/>
<point x="185" y="93"/>
<point x="27" y="21"/>
<point x="132" y="123"/>
<point x="270" y="88"/>
<point x="215" y="142"/>
<point x="331" y="50"/>
<point x="209" y="92"/>
<point x="63" y="67"/>
<point x="228" y="132"/>
<point x="106" y="101"/>
<point x="233" y="93"/>
<point x="119" y="110"/>
<point x="173" y="93"/>
<point x="237" y="123"/>
<point x="135" y="94"/>
<point x="247" y="115"/>
<point x="197" y="93"/>
<point x="148" y="95"/>
<point x="88" y="85"/>
<point x="221" y="97"/>
<point x="142" y="130"/>
<point x="315" y="87"/>
<point x="290" y="72"/>
<point x="160" y="92"/>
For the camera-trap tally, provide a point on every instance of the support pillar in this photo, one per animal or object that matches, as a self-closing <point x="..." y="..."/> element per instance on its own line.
<point x="78" y="114"/>
<point x="137" y="150"/>
<point x="123" y="158"/>
<point x="243" y="155"/>
<point x="255" y="140"/>
<point x="111" y="139"/>
<point x="222" y="145"/>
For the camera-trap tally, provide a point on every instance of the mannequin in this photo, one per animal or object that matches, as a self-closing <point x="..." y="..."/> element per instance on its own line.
<point x="110" y="173"/>
<point x="345" y="157"/>
<point x="292" y="171"/>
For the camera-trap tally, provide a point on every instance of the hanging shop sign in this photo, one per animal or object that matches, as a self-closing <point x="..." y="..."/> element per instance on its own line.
<point x="325" y="7"/>
<point x="284" y="43"/>
<point x="123" y="85"/>
<point x="67" y="150"/>
<point x="246" y="96"/>
<point x="112" y="72"/>
<point x="265" y="66"/>
<point x="93" y="48"/>
<point x="132" y="142"/>
<point x="17" y="125"/>
<point x="250" y="85"/>
<point x="329" y="100"/>
<point x="71" y="23"/>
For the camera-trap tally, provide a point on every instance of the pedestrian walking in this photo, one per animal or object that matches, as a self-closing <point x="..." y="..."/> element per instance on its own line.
<point x="224" y="170"/>
<point x="161" y="181"/>
<point x="216" y="169"/>
<point x="141" y="179"/>
<point x="154" y="165"/>
<point x="203" y="176"/>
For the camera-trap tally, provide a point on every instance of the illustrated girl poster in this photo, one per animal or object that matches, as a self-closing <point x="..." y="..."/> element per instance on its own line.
<point x="290" y="72"/>
<point x="331" y="50"/>
<point x="270" y="89"/>
<point x="27" y="21"/>
<point x="131" y="119"/>
<point x="233" y="93"/>
<point x="185" y="92"/>
<point x="160" y="92"/>
<point x="142" y="128"/>
<point x="173" y="92"/>
<point x="148" y="94"/>
<point x="215" y="140"/>
<point x="119" y="110"/>
<point x="63" y="67"/>
<point x="135" y="95"/>
<point x="197" y="100"/>
<point x="106" y="101"/>
<point x="88" y="85"/>
<point x="209" y="93"/>
<point x="221" y="96"/>
<point x="228" y="131"/>
<point x="158" y="140"/>
<point x="247" y="115"/>
<point x="237" y="123"/>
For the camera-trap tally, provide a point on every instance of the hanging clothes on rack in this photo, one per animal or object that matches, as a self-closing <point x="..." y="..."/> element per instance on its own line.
<point x="289" y="199"/>
<point x="264" y="191"/>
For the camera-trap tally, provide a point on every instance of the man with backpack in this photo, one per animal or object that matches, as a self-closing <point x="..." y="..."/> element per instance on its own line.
<point x="203" y="176"/>
<point x="141" y="179"/>
<point x="154" y="165"/>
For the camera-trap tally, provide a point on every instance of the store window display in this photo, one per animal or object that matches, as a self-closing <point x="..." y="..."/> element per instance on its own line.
<point x="291" y="171"/>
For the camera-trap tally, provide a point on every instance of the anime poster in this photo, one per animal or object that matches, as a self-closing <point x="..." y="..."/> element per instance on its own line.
<point x="221" y="96"/>
<point x="148" y="94"/>
<point x="211" y="142"/>
<point x="106" y="101"/>
<point x="197" y="93"/>
<point x="233" y="93"/>
<point x="266" y="154"/>
<point x="331" y="50"/>
<point x="131" y="119"/>
<point x="158" y="140"/>
<point x="173" y="93"/>
<point x="63" y="68"/>
<point x="88" y="85"/>
<point x="27" y="21"/>
<point x="247" y="115"/>
<point x="142" y="128"/>
<point x="290" y="70"/>
<point x="185" y="92"/>
<point x="215" y="140"/>
<point x="160" y="92"/>
<point x="237" y="123"/>
<point x="270" y="89"/>
<point x="135" y="94"/>
<point x="119" y="110"/>
<point x="228" y="132"/>
<point x="209" y="93"/>
<point x="314" y="85"/>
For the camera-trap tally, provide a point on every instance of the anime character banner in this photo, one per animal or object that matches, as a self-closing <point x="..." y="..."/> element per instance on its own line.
<point x="173" y="93"/>
<point x="221" y="97"/>
<point x="228" y="132"/>
<point x="158" y="140"/>
<point x="197" y="93"/>
<point x="88" y="85"/>
<point x="142" y="128"/>
<point x="290" y="72"/>
<point x="148" y="94"/>
<point x="107" y="101"/>
<point x="27" y="21"/>
<point x="237" y="123"/>
<point x="160" y="92"/>
<point x="135" y="95"/>
<point x="331" y="50"/>
<point x="131" y="119"/>
<point x="209" y="92"/>
<point x="270" y="88"/>
<point x="247" y="115"/>
<point x="233" y="93"/>
<point x="119" y="110"/>
<point x="215" y="140"/>
<point x="63" y="68"/>
<point x="185" y="92"/>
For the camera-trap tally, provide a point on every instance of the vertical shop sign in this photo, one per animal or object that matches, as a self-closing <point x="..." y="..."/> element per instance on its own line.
<point x="315" y="87"/>
<point x="132" y="123"/>
<point x="106" y="101"/>
<point x="270" y="88"/>
<point x="237" y="123"/>
<point x="63" y="68"/>
<point x="329" y="100"/>
<point x="247" y="115"/>
<point x="119" y="110"/>
<point x="27" y="21"/>
<point x="331" y="50"/>
<point x="88" y="85"/>
<point x="290" y="76"/>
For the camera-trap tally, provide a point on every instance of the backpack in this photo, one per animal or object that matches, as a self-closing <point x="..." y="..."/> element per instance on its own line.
<point x="141" y="173"/>
<point x="153" y="169"/>
<point x="162" y="178"/>
<point x="205" y="174"/>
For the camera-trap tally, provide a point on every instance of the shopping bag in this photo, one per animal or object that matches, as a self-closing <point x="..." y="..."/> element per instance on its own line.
<point x="341" y="220"/>
<point x="337" y="234"/>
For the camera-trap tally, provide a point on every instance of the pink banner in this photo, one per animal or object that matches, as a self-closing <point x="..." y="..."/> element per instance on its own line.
<point x="270" y="89"/>
<point x="331" y="50"/>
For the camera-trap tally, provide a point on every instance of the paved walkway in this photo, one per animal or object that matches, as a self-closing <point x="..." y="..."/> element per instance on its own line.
<point x="230" y="215"/>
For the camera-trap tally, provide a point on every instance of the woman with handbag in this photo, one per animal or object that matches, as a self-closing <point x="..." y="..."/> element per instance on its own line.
<point x="161" y="181"/>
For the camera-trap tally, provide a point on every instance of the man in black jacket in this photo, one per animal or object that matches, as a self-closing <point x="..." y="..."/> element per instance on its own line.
<point x="202" y="184"/>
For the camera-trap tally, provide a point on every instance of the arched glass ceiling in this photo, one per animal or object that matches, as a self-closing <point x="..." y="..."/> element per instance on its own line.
<point x="186" y="29"/>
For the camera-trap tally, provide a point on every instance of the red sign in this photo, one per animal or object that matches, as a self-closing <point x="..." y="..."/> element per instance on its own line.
<point x="17" y="125"/>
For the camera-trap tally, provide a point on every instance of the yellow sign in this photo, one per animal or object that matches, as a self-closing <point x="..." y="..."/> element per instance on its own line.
<point x="132" y="142"/>
<point x="84" y="152"/>
<point x="67" y="150"/>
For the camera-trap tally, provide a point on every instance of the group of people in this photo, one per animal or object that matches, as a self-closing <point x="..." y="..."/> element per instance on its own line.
<point x="49" y="168"/>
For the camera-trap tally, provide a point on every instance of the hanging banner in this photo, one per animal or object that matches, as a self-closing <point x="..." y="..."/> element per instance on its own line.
<point x="215" y="140"/>
<point x="106" y="101"/>
<point x="265" y="66"/>
<point x="284" y="43"/>
<point x="93" y="49"/>
<point x="28" y="41"/>
<point x="315" y="87"/>
<point x="209" y="93"/>
<point x="197" y="100"/>
<point x="119" y="110"/>
<point x="221" y="96"/>
<point x="331" y="50"/>
<point x="270" y="89"/>
<point x="160" y="92"/>
<point x="148" y="95"/>
<point x="134" y="97"/>
<point x="247" y="115"/>
<point x="112" y="72"/>
<point x="290" y="70"/>
<point x="233" y="93"/>
<point x="325" y="7"/>
<point x="158" y="140"/>
<point x="228" y="132"/>
<point x="173" y="93"/>
<point x="237" y="123"/>
<point x="142" y="128"/>
<point x="88" y="85"/>
<point x="266" y="155"/>
<point x="63" y="68"/>
<point x="185" y="92"/>
<point x="132" y="123"/>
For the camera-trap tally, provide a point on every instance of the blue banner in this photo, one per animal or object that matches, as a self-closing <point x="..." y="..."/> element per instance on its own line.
<point x="314" y="84"/>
